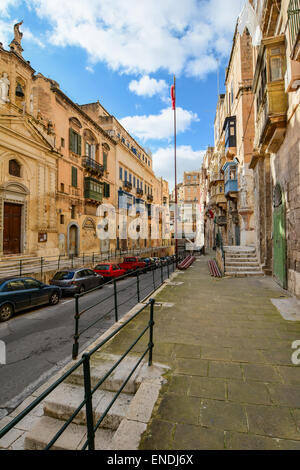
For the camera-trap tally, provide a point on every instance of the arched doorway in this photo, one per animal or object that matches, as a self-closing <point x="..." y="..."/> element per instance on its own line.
<point x="73" y="239"/>
<point x="279" y="238"/>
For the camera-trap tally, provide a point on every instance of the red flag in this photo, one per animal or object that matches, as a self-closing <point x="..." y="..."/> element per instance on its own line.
<point x="173" y="96"/>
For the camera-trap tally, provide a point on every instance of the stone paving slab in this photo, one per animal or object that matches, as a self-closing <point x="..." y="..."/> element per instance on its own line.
<point x="231" y="383"/>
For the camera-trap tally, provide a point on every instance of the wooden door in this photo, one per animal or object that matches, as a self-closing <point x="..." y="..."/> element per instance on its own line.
<point x="279" y="239"/>
<point x="12" y="228"/>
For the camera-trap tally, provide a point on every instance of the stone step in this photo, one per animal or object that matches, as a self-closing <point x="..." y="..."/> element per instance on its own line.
<point x="66" y="398"/>
<point x="241" y="256"/>
<point x="244" y="274"/>
<point x="242" y="268"/>
<point x="73" y="438"/>
<point x="101" y="364"/>
<point x="238" y="263"/>
<point x="239" y="249"/>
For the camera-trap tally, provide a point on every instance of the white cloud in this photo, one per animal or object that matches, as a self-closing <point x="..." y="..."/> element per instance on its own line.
<point x="187" y="160"/>
<point x="6" y="4"/>
<point x="143" y="36"/>
<point x="149" y="87"/>
<point x="158" y="126"/>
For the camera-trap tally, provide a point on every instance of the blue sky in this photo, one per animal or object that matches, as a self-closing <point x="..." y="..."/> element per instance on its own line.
<point x="124" y="53"/>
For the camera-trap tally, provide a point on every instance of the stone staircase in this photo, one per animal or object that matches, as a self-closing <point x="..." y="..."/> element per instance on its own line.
<point x="241" y="261"/>
<point x="126" y="420"/>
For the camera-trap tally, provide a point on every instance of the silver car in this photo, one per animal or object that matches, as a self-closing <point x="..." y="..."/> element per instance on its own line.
<point x="77" y="281"/>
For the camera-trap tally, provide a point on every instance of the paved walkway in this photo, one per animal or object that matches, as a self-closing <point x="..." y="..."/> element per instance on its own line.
<point x="232" y="384"/>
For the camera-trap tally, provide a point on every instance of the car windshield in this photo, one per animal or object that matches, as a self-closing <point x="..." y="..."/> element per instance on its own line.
<point x="102" y="267"/>
<point x="129" y="260"/>
<point x="63" y="276"/>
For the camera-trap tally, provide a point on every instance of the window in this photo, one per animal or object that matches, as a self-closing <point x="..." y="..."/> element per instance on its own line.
<point x="276" y="68"/>
<point x="90" y="150"/>
<point x="31" y="284"/>
<point x="121" y="173"/>
<point x="134" y="181"/>
<point x="75" y="142"/>
<point x="62" y="219"/>
<point x="14" y="168"/>
<point x="73" y="212"/>
<point x="14" y="285"/>
<point x="74" y="177"/>
<point x="126" y="175"/>
<point x="130" y="178"/>
<point x="62" y="187"/>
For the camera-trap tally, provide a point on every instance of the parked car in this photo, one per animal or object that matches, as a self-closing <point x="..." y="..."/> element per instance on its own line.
<point x="77" y="281"/>
<point x="132" y="264"/>
<point x="21" y="293"/>
<point x="109" y="271"/>
<point x="164" y="260"/>
<point x="150" y="263"/>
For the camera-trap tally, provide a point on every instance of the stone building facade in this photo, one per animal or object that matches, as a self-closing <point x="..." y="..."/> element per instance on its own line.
<point x="28" y="162"/>
<point x="276" y="155"/>
<point x="62" y="163"/>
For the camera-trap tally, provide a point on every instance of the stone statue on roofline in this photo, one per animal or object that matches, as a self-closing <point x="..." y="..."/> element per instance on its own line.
<point x="16" y="45"/>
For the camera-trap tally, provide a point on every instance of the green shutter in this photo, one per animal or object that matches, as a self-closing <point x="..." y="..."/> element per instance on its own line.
<point x="74" y="177"/>
<point x="71" y="140"/>
<point x="105" y="160"/>
<point x="106" y="190"/>
<point x="79" y="144"/>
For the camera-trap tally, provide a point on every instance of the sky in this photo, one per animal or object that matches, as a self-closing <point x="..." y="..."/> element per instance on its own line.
<point x="125" y="53"/>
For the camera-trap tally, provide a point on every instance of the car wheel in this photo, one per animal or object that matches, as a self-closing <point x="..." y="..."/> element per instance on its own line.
<point x="6" y="312"/>
<point x="54" y="298"/>
<point x="81" y="290"/>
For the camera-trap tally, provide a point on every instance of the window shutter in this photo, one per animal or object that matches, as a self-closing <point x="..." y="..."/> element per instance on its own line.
<point x="106" y="190"/>
<point x="79" y="144"/>
<point x="71" y="140"/>
<point x="74" y="177"/>
<point x="105" y="160"/>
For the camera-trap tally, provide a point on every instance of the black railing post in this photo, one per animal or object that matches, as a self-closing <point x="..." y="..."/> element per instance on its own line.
<point x="153" y="275"/>
<point x="42" y="262"/>
<point x="58" y="264"/>
<point x="20" y="267"/>
<point x="151" y="325"/>
<point x="138" y="285"/>
<point x="89" y="402"/>
<point x="116" y="300"/>
<point x="93" y="259"/>
<point x="162" y="273"/>
<point x="82" y="259"/>
<point x="72" y="258"/>
<point x="168" y="266"/>
<point x="76" y="335"/>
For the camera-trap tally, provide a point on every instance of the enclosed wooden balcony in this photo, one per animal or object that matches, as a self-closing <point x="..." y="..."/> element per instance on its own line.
<point x="93" y="190"/>
<point x="294" y="28"/>
<point x="270" y="94"/>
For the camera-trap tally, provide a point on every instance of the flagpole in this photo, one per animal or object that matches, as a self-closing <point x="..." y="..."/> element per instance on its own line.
<point x="175" y="165"/>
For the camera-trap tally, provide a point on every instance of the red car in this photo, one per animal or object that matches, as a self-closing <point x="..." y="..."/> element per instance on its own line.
<point x="109" y="271"/>
<point x="133" y="264"/>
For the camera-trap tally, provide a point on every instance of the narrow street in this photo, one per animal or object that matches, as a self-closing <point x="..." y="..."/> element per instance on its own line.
<point x="40" y="341"/>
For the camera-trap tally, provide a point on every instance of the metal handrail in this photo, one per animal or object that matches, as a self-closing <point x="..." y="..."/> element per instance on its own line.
<point x="79" y="313"/>
<point x="89" y="391"/>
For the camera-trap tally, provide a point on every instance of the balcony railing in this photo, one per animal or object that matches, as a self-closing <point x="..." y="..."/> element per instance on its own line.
<point x="127" y="185"/>
<point x="150" y="197"/>
<point x="139" y="191"/>
<point x="294" y="27"/>
<point x="92" y="166"/>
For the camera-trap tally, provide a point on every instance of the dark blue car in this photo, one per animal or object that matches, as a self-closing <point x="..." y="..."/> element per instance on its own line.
<point x="21" y="293"/>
